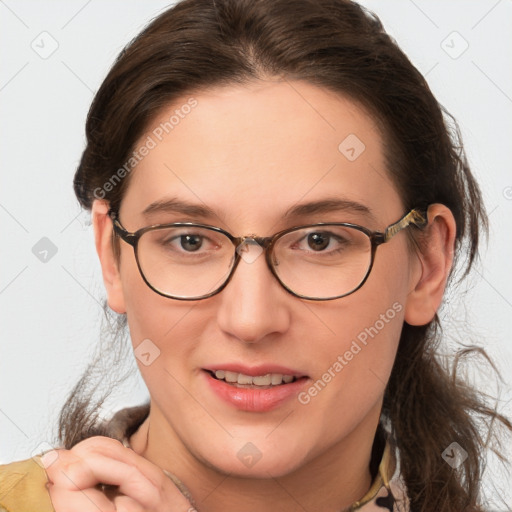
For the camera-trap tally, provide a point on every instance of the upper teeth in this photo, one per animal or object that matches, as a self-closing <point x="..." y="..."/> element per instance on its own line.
<point x="273" y="379"/>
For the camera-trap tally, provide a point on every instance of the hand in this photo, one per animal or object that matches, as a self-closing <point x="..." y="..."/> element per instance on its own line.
<point x="75" y="479"/>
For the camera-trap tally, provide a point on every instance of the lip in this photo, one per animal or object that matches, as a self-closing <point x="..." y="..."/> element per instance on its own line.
<point x="254" y="371"/>
<point x="250" y="399"/>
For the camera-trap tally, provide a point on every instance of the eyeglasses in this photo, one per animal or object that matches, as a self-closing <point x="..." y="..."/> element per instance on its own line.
<point x="324" y="261"/>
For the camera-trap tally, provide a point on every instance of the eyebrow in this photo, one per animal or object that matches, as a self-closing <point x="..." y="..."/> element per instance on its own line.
<point x="174" y="205"/>
<point x="329" y="205"/>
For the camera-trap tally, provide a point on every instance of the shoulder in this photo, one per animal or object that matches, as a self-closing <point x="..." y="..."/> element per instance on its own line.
<point x="23" y="487"/>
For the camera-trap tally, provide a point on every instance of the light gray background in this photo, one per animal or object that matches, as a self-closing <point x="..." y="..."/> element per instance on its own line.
<point x="51" y="310"/>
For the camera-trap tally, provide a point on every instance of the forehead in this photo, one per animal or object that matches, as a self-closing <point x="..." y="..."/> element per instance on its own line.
<point x="261" y="148"/>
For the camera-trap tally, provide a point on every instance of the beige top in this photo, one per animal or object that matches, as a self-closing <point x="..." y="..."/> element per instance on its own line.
<point x="23" y="484"/>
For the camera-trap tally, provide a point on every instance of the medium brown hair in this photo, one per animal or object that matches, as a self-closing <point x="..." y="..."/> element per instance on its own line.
<point x="340" y="46"/>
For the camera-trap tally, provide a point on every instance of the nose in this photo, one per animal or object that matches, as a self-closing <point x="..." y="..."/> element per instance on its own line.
<point x="253" y="305"/>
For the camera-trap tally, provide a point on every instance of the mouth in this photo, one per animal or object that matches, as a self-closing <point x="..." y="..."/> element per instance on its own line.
<point x="259" y="389"/>
<point x="241" y="380"/>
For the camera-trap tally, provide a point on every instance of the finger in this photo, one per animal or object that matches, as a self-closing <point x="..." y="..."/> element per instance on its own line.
<point x="133" y="484"/>
<point x="92" y="500"/>
<point x="73" y="472"/>
<point x="115" y="450"/>
<point x="60" y="461"/>
<point x="126" y="504"/>
<point x="84" y="500"/>
<point x="76" y="473"/>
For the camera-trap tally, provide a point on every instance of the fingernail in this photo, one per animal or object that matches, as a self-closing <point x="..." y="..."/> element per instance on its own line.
<point x="49" y="458"/>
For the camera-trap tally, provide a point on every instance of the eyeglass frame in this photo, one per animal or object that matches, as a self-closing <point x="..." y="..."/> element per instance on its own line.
<point x="415" y="217"/>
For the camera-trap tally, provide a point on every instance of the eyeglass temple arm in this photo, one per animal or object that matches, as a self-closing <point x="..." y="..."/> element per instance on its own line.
<point x="417" y="216"/>
<point x="125" y="235"/>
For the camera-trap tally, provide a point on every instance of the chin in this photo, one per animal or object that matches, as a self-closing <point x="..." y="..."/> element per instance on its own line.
<point x="254" y="460"/>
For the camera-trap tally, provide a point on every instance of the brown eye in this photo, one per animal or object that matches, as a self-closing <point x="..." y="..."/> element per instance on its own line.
<point x="318" y="241"/>
<point x="191" y="242"/>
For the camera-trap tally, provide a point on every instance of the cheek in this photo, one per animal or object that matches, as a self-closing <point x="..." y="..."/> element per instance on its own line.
<point x="379" y="308"/>
<point x="352" y="370"/>
<point x="354" y="361"/>
<point x="362" y="345"/>
<point x="147" y="312"/>
<point x="159" y="326"/>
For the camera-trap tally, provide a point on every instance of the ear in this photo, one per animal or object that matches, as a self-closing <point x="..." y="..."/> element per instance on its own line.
<point x="435" y="255"/>
<point x="102" y="224"/>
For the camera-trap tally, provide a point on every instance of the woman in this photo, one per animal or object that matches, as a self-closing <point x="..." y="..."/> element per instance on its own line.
<point x="277" y="207"/>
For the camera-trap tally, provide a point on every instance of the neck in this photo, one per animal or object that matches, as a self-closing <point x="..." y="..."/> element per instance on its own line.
<point x="329" y="483"/>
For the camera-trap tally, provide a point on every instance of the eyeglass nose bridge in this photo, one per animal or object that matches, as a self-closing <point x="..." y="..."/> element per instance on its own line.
<point x="243" y="243"/>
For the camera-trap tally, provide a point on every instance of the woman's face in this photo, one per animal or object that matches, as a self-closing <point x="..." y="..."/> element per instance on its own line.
<point x="250" y="154"/>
